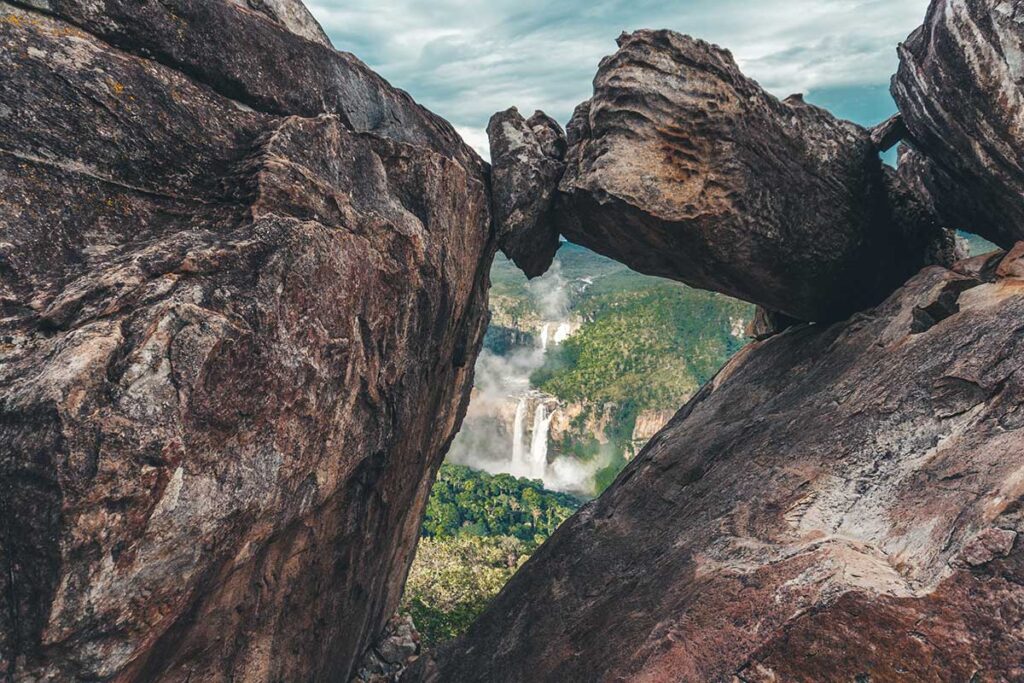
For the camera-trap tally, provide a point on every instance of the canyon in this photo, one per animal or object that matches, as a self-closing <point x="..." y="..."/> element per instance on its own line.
<point x="245" y="286"/>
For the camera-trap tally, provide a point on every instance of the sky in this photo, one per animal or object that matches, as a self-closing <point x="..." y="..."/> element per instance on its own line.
<point x="466" y="59"/>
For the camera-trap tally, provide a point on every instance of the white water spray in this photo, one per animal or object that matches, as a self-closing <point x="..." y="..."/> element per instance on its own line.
<point x="539" y="445"/>
<point x="518" y="434"/>
<point x="544" y="337"/>
<point x="562" y="333"/>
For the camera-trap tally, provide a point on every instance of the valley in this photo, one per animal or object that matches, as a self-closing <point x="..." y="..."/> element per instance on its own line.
<point x="583" y="365"/>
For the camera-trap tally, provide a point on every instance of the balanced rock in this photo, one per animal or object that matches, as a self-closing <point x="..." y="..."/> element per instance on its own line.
<point x="243" y="285"/>
<point x="526" y="166"/>
<point x="960" y="90"/>
<point x="840" y="503"/>
<point x="682" y="167"/>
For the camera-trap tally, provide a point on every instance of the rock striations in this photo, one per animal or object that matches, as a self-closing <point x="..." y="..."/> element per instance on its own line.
<point x="243" y="285"/>
<point x="960" y="90"/>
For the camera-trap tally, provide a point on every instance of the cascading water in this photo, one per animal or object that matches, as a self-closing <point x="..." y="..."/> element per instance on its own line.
<point x="518" y="433"/>
<point x="562" y="333"/>
<point x="544" y="337"/>
<point x="539" y="445"/>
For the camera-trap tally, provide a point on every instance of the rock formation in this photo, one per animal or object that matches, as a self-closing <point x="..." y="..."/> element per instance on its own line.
<point x="680" y="166"/>
<point x="841" y="502"/>
<point x="960" y="90"/>
<point x="527" y="158"/>
<point x="243" y="285"/>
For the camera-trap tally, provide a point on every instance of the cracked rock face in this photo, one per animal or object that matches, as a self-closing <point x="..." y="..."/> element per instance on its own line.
<point x="240" y="315"/>
<point x="680" y="166"/>
<point x="960" y="90"/>
<point x="841" y="502"/>
<point x="527" y="161"/>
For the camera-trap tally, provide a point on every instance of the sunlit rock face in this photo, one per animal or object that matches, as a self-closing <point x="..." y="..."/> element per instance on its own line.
<point x="682" y="167"/>
<point x="841" y="502"/>
<point x="960" y="90"/>
<point x="243" y="285"/>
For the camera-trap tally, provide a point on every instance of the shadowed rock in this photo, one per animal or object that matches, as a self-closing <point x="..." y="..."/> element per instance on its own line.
<point x="680" y="166"/>
<point x="960" y="90"/>
<point x="240" y="315"/>
<point x="840" y="503"/>
<point x="526" y="165"/>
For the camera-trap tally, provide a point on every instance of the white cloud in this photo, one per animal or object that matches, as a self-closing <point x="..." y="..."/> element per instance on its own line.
<point x="466" y="59"/>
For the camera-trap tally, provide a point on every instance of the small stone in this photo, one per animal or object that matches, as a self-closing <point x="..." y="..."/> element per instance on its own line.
<point x="988" y="545"/>
<point x="1012" y="264"/>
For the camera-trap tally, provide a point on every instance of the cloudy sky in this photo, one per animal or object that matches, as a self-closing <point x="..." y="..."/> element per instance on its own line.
<point x="466" y="59"/>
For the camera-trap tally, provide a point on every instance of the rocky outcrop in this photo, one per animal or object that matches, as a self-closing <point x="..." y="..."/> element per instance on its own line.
<point x="960" y="90"/>
<point x="292" y="15"/>
<point x="648" y="424"/>
<point x="841" y="502"/>
<point x="243" y="285"/>
<point x="396" y="648"/>
<point x="527" y="163"/>
<point x="680" y="166"/>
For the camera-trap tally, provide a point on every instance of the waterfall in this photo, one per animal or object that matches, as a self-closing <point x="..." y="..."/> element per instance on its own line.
<point x="544" y="337"/>
<point x="518" y="428"/>
<point x="562" y="333"/>
<point x="539" y="446"/>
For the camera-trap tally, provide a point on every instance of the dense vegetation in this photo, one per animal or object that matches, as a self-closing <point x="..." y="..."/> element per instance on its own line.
<point x="652" y="347"/>
<point x="478" y="530"/>
<point x="645" y="343"/>
<point x="465" y="502"/>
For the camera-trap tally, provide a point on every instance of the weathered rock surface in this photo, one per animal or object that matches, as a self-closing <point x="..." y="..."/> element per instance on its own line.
<point x="527" y="162"/>
<point x="840" y="503"/>
<point x="243" y="283"/>
<point x="292" y="15"/>
<point x="396" y="648"/>
<point x="960" y="90"/>
<point x="244" y="56"/>
<point x="680" y="166"/>
<point x="768" y="323"/>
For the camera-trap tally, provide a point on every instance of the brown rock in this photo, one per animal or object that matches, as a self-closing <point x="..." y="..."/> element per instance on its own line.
<point x="526" y="165"/>
<point x="838" y="504"/>
<point x="240" y="54"/>
<point x="768" y="323"/>
<point x="960" y="90"/>
<point x="234" y="344"/>
<point x="682" y="167"/>
<point x="888" y="133"/>
<point x="1012" y="265"/>
<point x="988" y="545"/>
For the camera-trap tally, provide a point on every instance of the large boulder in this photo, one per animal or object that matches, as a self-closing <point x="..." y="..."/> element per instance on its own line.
<point x="526" y="166"/>
<point x="243" y="284"/>
<point x="960" y="90"/>
<point x="257" y="61"/>
<point x="841" y="503"/>
<point x="682" y="167"/>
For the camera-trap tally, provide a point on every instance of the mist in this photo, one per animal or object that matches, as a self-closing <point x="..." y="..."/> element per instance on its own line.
<point x="502" y="386"/>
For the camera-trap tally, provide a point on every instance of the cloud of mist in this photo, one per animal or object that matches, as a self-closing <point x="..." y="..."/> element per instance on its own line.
<point x="550" y="293"/>
<point x="502" y="381"/>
